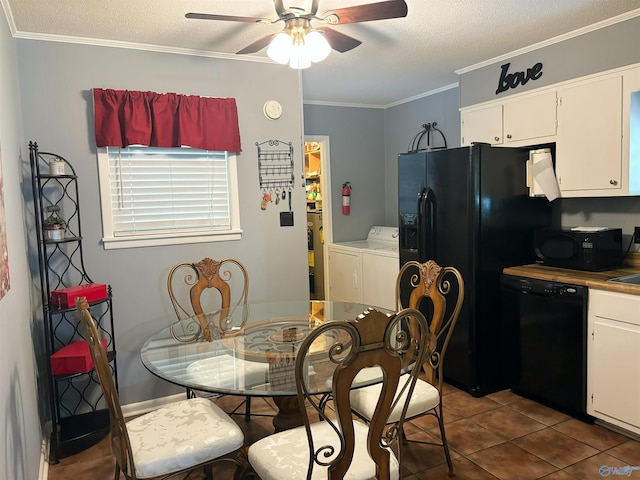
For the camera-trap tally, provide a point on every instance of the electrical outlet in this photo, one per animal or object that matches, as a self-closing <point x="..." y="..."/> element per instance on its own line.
<point x="636" y="234"/>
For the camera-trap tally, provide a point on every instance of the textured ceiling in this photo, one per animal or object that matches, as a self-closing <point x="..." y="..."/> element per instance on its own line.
<point x="398" y="59"/>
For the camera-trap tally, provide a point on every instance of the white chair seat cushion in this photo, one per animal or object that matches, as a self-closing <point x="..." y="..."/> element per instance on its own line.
<point x="181" y="435"/>
<point x="285" y="455"/>
<point x="425" y="397"/>
<point x="226" y="371"/>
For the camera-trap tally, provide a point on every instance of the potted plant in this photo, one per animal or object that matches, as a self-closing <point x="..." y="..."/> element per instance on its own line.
<point x="53" y="226"/>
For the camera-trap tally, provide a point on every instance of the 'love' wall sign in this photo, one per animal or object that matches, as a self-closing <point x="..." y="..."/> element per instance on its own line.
<point x="512" y="80"/>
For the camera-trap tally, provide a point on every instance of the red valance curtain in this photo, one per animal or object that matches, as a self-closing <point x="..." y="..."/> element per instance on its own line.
<point x="123" y="118"/>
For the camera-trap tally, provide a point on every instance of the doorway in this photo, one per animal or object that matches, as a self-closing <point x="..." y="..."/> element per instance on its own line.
<point x="318" y="201"/>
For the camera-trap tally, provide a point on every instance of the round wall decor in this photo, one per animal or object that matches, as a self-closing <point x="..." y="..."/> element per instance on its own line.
<point x="272" y="109"/>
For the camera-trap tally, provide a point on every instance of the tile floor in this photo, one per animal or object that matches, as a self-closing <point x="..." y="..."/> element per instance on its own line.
<point x="499" y="436"/>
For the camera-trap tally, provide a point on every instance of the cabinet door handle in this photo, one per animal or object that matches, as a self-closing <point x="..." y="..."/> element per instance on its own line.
<point x="613" y="182"/>
<point x="496" y="139"/>
<point x="508" y="135"/>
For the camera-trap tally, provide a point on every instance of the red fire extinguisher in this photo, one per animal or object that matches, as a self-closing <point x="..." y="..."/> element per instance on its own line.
<point x="346" y="198"/>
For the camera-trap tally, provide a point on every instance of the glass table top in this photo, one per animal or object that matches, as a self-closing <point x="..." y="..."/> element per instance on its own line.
<point x="252" y="351"/>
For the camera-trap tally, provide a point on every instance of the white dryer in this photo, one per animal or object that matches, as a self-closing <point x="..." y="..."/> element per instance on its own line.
<point x="364" y="271"/>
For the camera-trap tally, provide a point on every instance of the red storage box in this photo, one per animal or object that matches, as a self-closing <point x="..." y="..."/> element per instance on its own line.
<point x="66" y="297"/>
<point x="73" y="358"/>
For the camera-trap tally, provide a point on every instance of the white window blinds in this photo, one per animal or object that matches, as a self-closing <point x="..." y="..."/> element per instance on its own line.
<point x="158" y="191"/>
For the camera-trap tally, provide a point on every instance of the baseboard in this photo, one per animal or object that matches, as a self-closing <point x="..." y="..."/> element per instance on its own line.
<point x="139" y="408"/>
<point x="617" y="429"/>
<point x="43" y="473"/>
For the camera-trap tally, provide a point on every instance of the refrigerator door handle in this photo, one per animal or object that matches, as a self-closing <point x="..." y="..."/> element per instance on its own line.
<point x="423" y="224"/>
<point x="431" y="224"/>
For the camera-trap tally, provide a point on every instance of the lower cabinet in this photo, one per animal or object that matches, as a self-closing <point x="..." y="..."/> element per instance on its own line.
<point x="613" y="359"/>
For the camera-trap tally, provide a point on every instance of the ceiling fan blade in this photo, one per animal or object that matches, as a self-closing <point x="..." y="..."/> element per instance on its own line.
<point x="227" y="18"/>
<point x="257" y="45"/>
<point x="339" y="41"/>
<point x="314" y="8"/>
<point x="279" y="6"/>
<point x="368" y="12"/>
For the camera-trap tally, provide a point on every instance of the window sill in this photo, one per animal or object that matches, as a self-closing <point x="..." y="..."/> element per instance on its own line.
<point x="113" y="243"/>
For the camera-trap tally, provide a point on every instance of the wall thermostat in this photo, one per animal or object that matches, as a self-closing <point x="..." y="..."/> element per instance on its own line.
<point x="272" y="109"/>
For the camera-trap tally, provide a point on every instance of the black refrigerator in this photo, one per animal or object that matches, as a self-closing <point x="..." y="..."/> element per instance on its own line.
<point x="469" y="208"/>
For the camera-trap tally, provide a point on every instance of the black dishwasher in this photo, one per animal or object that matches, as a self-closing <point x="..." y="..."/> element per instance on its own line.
<point x="546" y="335"/>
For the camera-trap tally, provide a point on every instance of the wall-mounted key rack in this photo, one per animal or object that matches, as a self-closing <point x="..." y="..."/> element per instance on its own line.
<point x="275" y="164"/>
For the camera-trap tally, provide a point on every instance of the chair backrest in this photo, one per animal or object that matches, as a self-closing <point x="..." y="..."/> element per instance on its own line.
<point x="119" y="438"/>
<point x="187" y="282"/>
<point x="438" y="292"/>
<point x="339" y="351"/>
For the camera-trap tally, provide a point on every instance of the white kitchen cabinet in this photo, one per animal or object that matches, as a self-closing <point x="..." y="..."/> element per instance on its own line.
<point x="531" y="118"/>
<point x="482" y="125"/>
<point x="525" y="120"/>
<point x="589" y="147"/>
<point x="595" y="124"/>
<point x="613" y="358"/>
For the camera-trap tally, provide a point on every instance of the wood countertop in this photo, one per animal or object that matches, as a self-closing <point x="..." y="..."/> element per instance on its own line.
<point x="579" y="277"/>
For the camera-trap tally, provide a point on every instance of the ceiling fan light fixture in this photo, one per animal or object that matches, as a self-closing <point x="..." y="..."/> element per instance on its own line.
<point x="280" y="48"/>
<point x="317" y="46"/>
<point x="300" y="58"/>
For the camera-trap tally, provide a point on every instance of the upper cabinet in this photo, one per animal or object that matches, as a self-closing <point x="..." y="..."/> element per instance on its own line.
<point x="530" y="118"/>
<point x="589" y="153"/>
<point x="594" y="122"/>
<point x="598" y="147"/>
<point x="525" y="120"/>
<point x="481" y="125"/>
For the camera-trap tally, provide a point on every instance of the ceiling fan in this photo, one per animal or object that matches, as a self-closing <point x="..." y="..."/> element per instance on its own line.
<point x="297" y="22"/>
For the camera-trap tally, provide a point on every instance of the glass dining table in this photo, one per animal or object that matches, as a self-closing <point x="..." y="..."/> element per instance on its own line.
<point x="252" y="351"/>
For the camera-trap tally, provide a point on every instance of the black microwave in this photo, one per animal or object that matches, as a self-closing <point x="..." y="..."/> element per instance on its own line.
<point x="579" y="249"/>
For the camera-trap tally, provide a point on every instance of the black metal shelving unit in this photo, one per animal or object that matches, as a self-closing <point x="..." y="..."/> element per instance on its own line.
<point x="79" y="414"/>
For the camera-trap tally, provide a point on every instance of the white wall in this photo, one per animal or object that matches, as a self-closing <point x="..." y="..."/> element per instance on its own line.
<point x="19" y="419"/>
<point x="56" y="81"/>
<point x="365" y="143"/>
<point x="596" y="51"/>
<point x="402" y="122"/>
<point x="357" y="156"/>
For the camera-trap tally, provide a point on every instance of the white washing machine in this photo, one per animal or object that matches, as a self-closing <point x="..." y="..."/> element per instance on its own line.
<point x="365" y="271"/>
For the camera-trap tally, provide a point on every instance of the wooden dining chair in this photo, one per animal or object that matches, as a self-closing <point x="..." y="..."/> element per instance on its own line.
<point x="180" y="437"/>
<point x="187" y="282"/>
<point x="440" y="292"/>
<point x="339" y="446"/>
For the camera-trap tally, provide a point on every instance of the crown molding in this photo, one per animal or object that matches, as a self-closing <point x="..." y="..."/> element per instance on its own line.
<point x="551" y="41"/>
<point x="138" y="46"/>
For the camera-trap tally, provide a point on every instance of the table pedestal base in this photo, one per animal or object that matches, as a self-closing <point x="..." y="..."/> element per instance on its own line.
<point x="289" y="414"/>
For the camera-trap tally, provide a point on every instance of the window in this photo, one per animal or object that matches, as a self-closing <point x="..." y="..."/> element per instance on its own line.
<point x="162" y="196"/>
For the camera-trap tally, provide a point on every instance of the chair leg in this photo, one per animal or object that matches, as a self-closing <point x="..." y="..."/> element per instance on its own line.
<point x="445" y="445"/>
<point x="116" y="474"/>
<point x="247" y="409"/>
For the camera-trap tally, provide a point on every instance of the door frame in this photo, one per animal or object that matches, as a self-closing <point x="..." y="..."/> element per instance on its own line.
<point x="327" y="193"/>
